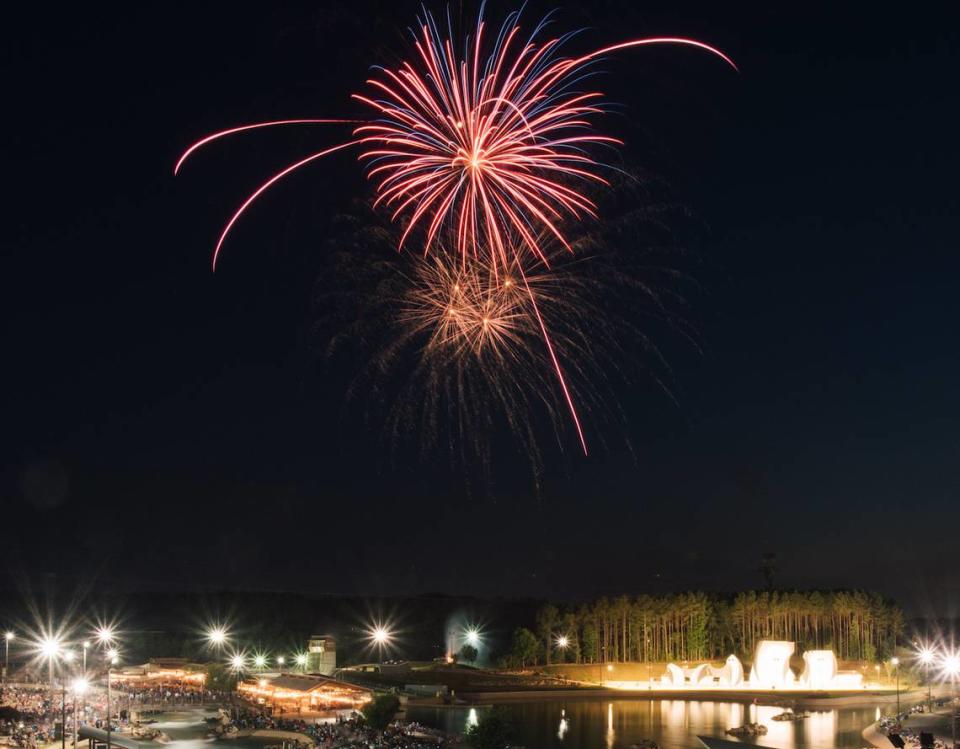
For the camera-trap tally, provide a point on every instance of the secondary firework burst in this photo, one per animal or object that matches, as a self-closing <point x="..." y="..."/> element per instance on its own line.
<point x="457" y="356"/>
<point x="467" y="311"/>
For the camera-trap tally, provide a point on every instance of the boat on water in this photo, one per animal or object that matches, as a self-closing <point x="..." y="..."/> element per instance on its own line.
<point x="791" y="715"/>
<point x="748" y="729"/>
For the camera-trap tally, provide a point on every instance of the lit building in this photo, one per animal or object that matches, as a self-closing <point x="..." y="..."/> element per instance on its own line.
<point x="321" y="654"/>
<point x="162" y="671"/>
<point x="307" y="692"/>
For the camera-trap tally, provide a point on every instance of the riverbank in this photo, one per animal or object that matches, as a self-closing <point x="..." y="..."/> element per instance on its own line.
<point x="801" y="699"/>
<point x="937" y="723"/>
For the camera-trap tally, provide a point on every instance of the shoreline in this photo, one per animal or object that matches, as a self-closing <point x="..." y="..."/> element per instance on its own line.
<point x="815" y="699"/>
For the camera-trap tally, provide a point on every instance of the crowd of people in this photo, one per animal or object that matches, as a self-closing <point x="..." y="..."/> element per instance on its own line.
<point x="348" y="732"/>
<point x="29" y="716"/>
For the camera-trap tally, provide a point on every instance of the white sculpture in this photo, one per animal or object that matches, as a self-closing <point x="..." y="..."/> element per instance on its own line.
<point x="819" y="669"/>
<point x="701" y="674"/>
<point x="731" y="675"/>
<point x="675" y="675"/>
<point x="771" y="665"/>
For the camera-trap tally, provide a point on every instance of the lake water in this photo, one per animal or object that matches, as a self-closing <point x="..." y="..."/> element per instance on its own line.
<point x="187" y="730"/>
<point x="674" y="724"/>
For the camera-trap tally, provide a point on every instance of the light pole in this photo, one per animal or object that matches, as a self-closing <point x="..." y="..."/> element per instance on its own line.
<point x="280" y="661"/>
<point x="895" y="662"/>
<point x="950" y="666"/>
<point x="49" y="649"/>
<point x="112" y="657"/>
<point x="301" y="660"/>
<point x="79" y="688"/>
<point x="6" y="654"/>
<point x="926" y="656"/>
<point x="63" y="714"/>
<point x="381" y="636"/>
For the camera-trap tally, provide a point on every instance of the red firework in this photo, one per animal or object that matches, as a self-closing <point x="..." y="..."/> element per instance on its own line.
<point x="493" y="141"/>
<point x="490" y="145"/>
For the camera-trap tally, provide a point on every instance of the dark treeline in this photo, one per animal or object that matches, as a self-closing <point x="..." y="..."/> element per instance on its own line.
<point x="685" y="626"/>
<point x="857" y="625"/>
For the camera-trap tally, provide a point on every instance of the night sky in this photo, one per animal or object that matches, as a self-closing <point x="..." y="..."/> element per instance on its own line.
<point x="165" y="427"/>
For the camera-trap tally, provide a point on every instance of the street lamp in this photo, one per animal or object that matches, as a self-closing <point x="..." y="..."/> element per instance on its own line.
<point x="895" y="662"/>
<point x="301" y="660"/>
<point x="563" y="642"/>
<point x="238" y="662"/>
<point x="472" y="637"/>
<point x="381" y="637"/>
<point x="49" y="648"/>
<point x="105" y="635"/>
<point x="950" y="668"/>
<point x="926" y="656"/>
<point x="80" y="686"/>
<point x="280" y="661"/>
<point x="113" y="657"/>
<point x="7" y="638"/>
<point x="259" y="661"/>
<point x="217" y="636"/>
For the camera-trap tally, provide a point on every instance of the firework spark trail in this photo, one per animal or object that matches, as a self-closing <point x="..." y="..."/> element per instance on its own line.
<point x="265" y="186"/>
<point x="556" y="364"/>
<point x="254" y="126"/>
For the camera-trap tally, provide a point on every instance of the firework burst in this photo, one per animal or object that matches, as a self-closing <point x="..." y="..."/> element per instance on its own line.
<point x="457" y="355"/>
<point x="492" y="143"/>
<point x="486" y="151"/>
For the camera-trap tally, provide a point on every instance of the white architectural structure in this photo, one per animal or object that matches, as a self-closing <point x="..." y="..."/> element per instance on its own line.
<point x="819" y="669"/>
<point x="731" y="675"/>
<point x="770" y="670"/>
<point x="771" y="665"/>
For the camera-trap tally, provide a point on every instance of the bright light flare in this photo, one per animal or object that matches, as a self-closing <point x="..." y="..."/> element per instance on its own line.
<point x="563" y="642"/>
<point x="105" y="634"/>
<point x="472" y="636"/>
<point x="9" y="636"/>
<point x="301" y="660"/>
<point x="950" y="665"/>
<point x="380" y="636"/>
<point x="259" y="660"/>
<point x="49" y="647"/>
<point x="238" y="662"/>
<point x="80" y="685"/>
<point x="217" y="636"/>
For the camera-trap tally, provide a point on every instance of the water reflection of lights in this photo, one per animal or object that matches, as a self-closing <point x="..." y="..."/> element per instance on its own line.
<point x="472" y="718"/>
<point x="564" y="725"/>
<point x="820" y="728"/>
<point x="611" y="734"/>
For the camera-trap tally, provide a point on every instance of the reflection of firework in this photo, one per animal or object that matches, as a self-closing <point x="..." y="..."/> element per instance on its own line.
<point x="485" y="146"/>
